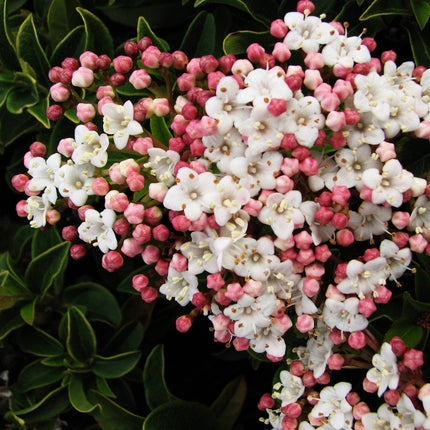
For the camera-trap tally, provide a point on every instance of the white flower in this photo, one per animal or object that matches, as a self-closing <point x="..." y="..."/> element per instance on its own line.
<point x="420" y="216"/>
<point x="384" y="372"/>
<point x="36" y="208"/>
<point x="90" y="147"/>
<point x="320" y="233"/>
<point x="292" y="388"/>
<point x="282" y="214"/>
<point x="365" y="131"/>
<point x="345" y="51"/>
<point x="97" y="229"/>
<point x="398" y="259"/>
<point x="332" y="404"/>
<point x="162" y="164"/>
<point x="344" y="315"/>
<point x="180" y="285"/>
<point x="43" y="173"/>
<point x="269" y="340"/>
<point x="118" y="120"/>
<point x="192" y="193"/>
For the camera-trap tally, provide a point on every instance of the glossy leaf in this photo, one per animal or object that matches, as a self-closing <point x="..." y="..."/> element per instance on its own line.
<point x="62" y="18"/>
<point x="71" y="45"/>
<point x="30" y="51"/>
<point x="36" y="375"/>
<point x="46" y="267"/>
<point x="9" y="320"/>
<point x="23" y="94"/>
<point x="160" y="130"/>
<point x="77" y="396"/>
<point x="103" y="387"/>
<point x="422" y="282"/>
<point x="44" y="240"/>
<point x="236" y="43"/>
<point x="228" y="404"/>
<point x="111" y="416"/>
<point x="115" y="366"/>
<point x="8" y="57"/>
<point x="421" y="10"/>
<point x="28" y="311"/>
<point x="22" y="237"/>
<point x="39" y="110"/>
<point x="200" y="37"/>
<point x="181" y="415"/>
<point x="11" y="290"/>
<point x="35" y="341"/>
<point x="420" y="45"/>
<point x="50" y="406"/>
<point x="407" y="330"/>
<point x="81" y="339"/>
<point x="98" y="38"/>
<point x="15" y="128"/>
<point x="381" y="7"/>
<point x="100" y="303"/>
<point x="156" y="391"/>
<point x="144" y="29"/>
<point x="127" y="338"/>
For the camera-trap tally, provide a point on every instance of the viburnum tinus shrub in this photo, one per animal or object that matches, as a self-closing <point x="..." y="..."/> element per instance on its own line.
<point x="265" y="193"/>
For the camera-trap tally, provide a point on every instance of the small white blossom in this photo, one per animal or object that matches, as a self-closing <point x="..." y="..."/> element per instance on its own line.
<point x="90" y="147"/>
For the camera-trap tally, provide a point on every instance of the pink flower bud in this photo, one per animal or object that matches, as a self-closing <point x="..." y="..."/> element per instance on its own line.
<point x="150" y="57"/>
<point x="305" y="256"/>
<point x="351" y="116"/>
<point x="388" y="56"/>
<point x="392" y="397"/>
<point x="304" y="323"/>
<point x="266" y="402"/>
<point x="314" y="60"/>
<point x="423" y="130"/>
<point x="105" y="91"/>
<point x="309" y="166"/>
<point x="131" y="48"/>
<point x="312" y="79"/>
<point x="66" y="76"/>
<point x="357" y="340"/>
<point x="59" y="92"/>
<point x="340" y="220"/>
<point x="226" y="62"/>
<point x="300" y="153"/>
<point x="400" y="219"/>
<point x="52" y="216"/>
<point x="161" y="232"/>
<point x="322" y="253"/>
<point x="369" y="386"/>
<point x="324" y="215"/>
<point x="242" y="67"/>
<point x="281" y="52"/>
<point x="134" y="213"/>
<point x="153" y="215"/>
<point x="184" y="323"/>
<point x="103" y="62"/>
<point x="179" y="262"/>
<point x="131" y="248"/>
<point x="337" y="337"/>
<point x="308" y="379"/>
<point x="161" y="107"/>
<point x="335" y="362"/>
<point x="180" y="223"/>
<point x="297" y="368"/>
<point x="77" y="252"/>
<point x="102" y="102"/>
<point x="215" y="281"/>
<point x="344" y="237"/>
<point x="366" y="307"/>
<point x="294" y="82"/>
<point x="277" y="106"/>
<point x="135" y="181"/>
<point x="186" y="81"/>
<point x="69" y="233"/>
<point x="234" y="291"/>
<point x="117" y="80"/>
<point x="142" y="233"/>
<point x="221" y="298"/>
<point x="122" y="63"/>
<point x="140" y="282"/>
<point x="116" y="201"/>
<point x="54" y="112"/>
<point x="150" y="254"/>
<point x="336" y="120"/>
<point x="140" y="79"/>
<point x="418" y="243"/>
<point x="292" y="410"/>
<point x="290" y="166"/>
<point x="149" y="294"/>
<point x="306" y="7"/>
<point x="278" y="29"/>
<point x="85" y="112"/>
<point x="254" y="52"/>
<point x="121" y="227"/>
<point x="208" y="64"/>
<point x="337" y="140"/>
<point x="88" y="59"/>
<point x="54" y="74"/>
<point x="398" y="346"/>
<point x="311" y="287"/>
<point x="83" y="77"/>
<point x="359" y="410"/>
<point x="315" y="270"/>
<point x="70" y="63"/>
<point x="19" y="181"/>
<point x="112" y="261"/>
<point x="386" y="151"/>
<point x="413" y="359"/>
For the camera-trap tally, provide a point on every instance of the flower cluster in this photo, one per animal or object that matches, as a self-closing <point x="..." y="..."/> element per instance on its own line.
<point x="278" y="207"/>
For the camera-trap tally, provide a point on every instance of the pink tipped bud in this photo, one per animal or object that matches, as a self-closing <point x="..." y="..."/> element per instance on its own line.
<point x="308" y="379"/>
<point x="312" y="79"/>
<point x="292" y="410"/>
<point x="281" y="52"/>
<point x="335" y="362"/>
<point x="305" y="7"/>
<point x="215" y="281"/>
<point x="254" y="52"/>
<point x="388" y="56"/>
<point x="369" y="386"/>
<point x="149" y="294"/>
<point x="359" y="410"/>
<point x="322" y="253"/>
<point x="386" y="151"/>
<point x="392" y="397"/>
<point x="337" y="336"/>
<point x="278" y="29"/>
<point x="266" y="402"/>
<point x="418" y="243"/>
<point x="112" y="261"/>
<point x="59" y="92"/>
<point x="122" y="63"/>
<point x="184" y="323"/>
<point x="121" y="227"/>
<point x="277" y="106"/>
<point x="103" y="62"/>
<point x="54" y="112"/>
<point x="314" y="61"/>
<point x="77" y="252"/>
<point x="305" y="323"/>
<point x="309" y="166"/>
<point x="140" y="282"/>
<point x="398" y="346"/>
<point x="117" y="80"/>
<point x="130" y="247"/>
<point x="226" y="62"/>
<point x="100" y="186"/>
<point x="366" y="307"/>
<point x="150" y="254"/>
<point x="116" y="201"/>
<point x="83" y="77"/>
<point x="161" y="232"/>
<point x="336" y="120"/>
<point x="340" y="220"/>
<point x="69" y="233"/>
<point x="357" y="340"/>
<point x="242" y="67"/>
<point x="413" y="359"/>
<point x="153" y="215"/>
<point x="134" y="213"/>
<point x="150" y="57"/>
<point x="140" y="79"/>
<point x="142" y="233"/>
<point x="351" y="116"/>
<point x="344" y="237"/>
<point x="88" y="59"/>
<point x="297" y="368"/>
<point x="234" y="291"/>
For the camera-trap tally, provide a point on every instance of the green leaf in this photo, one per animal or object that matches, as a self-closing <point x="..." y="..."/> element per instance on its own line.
<point x="421" y="10"/>
<point x="39" y="110"/>
<point x="23" y="94"/>
<point x="422" y="282"/>
<point x="8" y="57"/>
<point x="100" y="303"/>
<point x="412" y="306"/>
<point x="28" y="311"/>
<point x="127" y="338"/>
<point x="381" y="7"/>
<point x="98" y="38"/>
<point x="62" y="18"/>
<point x="160" y="130"/>
<point x="81" y="339"/>
<point x="420" y="44"/>
<point x="103" y="387"/>
<point x="71" y="45"/>
<point x="200" y="38"/>
<point x="156" y="391"/>
<point x="35" y="341"/>
<point x="144" y="29"/>
<point x="14" y="127"/>
<point x="30" y="51"/>
<point x="46" y="267"/>
<point x="408" y="331"/>
<point x="237" y="42"/>
<point x="128" y="90"/>
<point x="50" y="406"/>
<point x="20" y="240"/>
<point x="36" y="375"/>
<point x="115" y="366"/>
<point x="11" y="290"/>
<point x="77" y="396"/>
<point x="111" y="416"/>
<point x="10" y="320"/>
<point x="181" y="415"/>
<point x="44" y="240"/>
<point x="228" y="405"/>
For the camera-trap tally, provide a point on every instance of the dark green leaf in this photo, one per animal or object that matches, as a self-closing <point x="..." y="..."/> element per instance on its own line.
<point x="128" y="90"/>
<point x="181" y="415"/>
<point x="408" y="331"/>
<point x="207" y="40"/>
<point x="39" y="110"/>
<point x="103" y="387"/>
<point x="16" y="127"/>
<point x="421" y="9"/>
<point x="412" y="306"/>
<point x="44" y="240"/>
<point x="81" y="339"/>
<point x="127" y="338"/>
<point x="8" y="57"/>
<point x="9" y="320"/>
<point x="420" y="44"/>
<point x="100" y="303"/>
<point x="53" y="361"/>
<point x="160" y="130"/>
<point x="62" y="18"/>
<point x="28" y="311"/>
<point x="71" y="45"/>
<point x="36" y="341"/>
<point x="23" y="94"/>
<point x="236" y="43"/>
<point x="11" y="290"/>
<point x="422" y="283"/>
<point x="30" y="51"/>
<point x="144" y="29"/>
<point x="46" y="267"/>
<point x="36" y="375"/>
<point x="111" y="416"/>
<point x="381" y="7"/>
<point x="77" y="396"/>
<point x="115" y="366"/>
<point x="14" y="5"/>
<point x="98" y="38"/>
<point x="156" y="391"/>
<point x="228" y="404"/>
<point x="50" y="406"/>
<point x="21" y="238"/>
